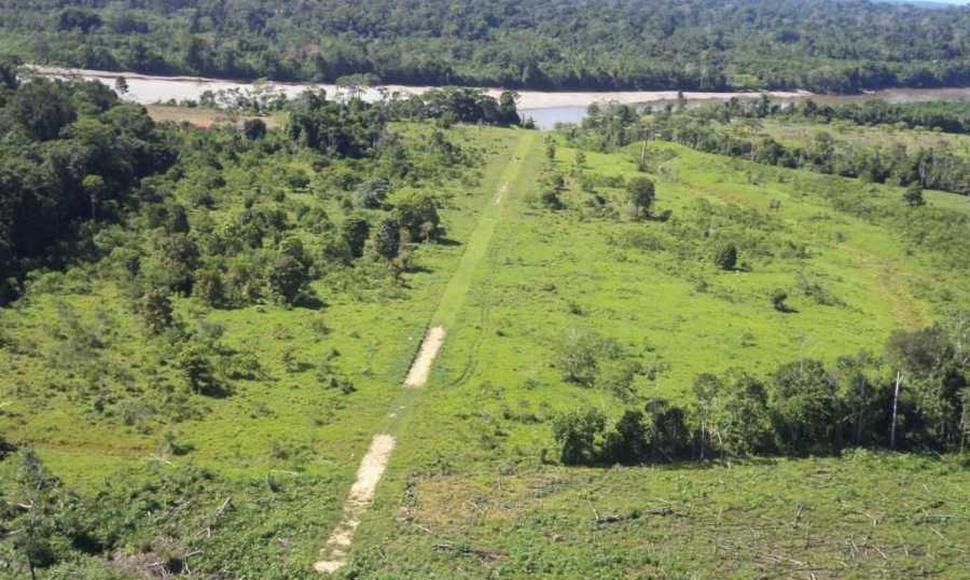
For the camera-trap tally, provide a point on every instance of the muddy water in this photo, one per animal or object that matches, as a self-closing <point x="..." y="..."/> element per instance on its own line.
<point x="546" y="108"/>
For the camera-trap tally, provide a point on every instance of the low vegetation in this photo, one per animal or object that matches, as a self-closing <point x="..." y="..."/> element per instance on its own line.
<point x="662" y="358"/>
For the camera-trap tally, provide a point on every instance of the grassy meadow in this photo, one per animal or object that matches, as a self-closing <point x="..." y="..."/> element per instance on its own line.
<point x="474" y="488"/>
<point x="473" y="491"/>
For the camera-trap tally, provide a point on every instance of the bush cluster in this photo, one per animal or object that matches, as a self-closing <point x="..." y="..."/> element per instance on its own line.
<point x="916" y="397"/>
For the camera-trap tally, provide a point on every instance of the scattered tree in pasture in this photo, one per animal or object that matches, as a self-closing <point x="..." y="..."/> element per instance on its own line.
<point x="778" y="300"/>
<point x="726" y="257"/>
<point x="913" y="196"/>
<point x="641" y="194"/>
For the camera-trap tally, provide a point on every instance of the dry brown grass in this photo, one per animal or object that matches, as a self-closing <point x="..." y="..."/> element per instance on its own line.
<point x="203" y="117"/>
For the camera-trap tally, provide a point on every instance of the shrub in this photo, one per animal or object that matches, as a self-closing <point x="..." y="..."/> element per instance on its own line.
<point x="578" y="434"/>
<point x="254" y="129"/>
<point x="913" y="196"/>
<point x="387" y="240"/>
<point x="208" y="287"/>
<point x="355" y="230"/>
<point x="726" y="257"/>
<point x="156" y="308"/>
<point x="417" y="214"/>
<point x="196" y="371"/>
<point x="778" y="298"/>
<point x="578" y="358"/>
<point x="373" y="193"/>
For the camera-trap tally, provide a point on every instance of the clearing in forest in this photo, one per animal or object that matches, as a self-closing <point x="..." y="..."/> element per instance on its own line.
<point x="335" y="553"/>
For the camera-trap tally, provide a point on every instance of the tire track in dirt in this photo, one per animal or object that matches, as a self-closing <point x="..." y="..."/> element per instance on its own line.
<point x="336" y="552"/>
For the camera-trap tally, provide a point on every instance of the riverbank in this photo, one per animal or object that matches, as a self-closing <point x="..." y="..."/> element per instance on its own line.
<point x="546" y="108"/>
<point x="148" y="89"/>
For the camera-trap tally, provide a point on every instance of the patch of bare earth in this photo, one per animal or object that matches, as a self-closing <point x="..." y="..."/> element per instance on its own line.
<point x="334" y="555"/>
<point x="202" y="117"/>
<point x="421" y="367"/>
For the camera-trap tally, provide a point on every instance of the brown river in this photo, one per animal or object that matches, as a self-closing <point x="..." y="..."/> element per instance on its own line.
<point x="546" y="108"/>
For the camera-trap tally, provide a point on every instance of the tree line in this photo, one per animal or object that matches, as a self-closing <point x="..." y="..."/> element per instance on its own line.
<point x="915" y="397"/>
<point x="226" y="217"/>
<point x="936" y="166"/>
<point x="944" y="116"/>
<point x="73" y="158"/>
<point x="820" y="45"/>
<point x="70" y="154"/>
<point x="719" y="129"/>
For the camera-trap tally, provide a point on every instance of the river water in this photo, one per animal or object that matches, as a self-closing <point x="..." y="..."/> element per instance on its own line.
<point x="546" y="108"/>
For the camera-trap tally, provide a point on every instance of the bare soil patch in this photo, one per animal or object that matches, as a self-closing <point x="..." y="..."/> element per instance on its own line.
<point x="421" y="367"/>
<point x="334" y="554"/>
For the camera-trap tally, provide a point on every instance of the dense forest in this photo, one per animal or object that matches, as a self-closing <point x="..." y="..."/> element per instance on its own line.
<point x="820" y="45"/>
<point x="73" y="157"/>
<point x="93" y="192"/>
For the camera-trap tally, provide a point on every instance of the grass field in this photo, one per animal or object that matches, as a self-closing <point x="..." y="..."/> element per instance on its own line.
<point x="472" y="489"/>
<point x="800" y="133"/>
<point x="479" y="502"/>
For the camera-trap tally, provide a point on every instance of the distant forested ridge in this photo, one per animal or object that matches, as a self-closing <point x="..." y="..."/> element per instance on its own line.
<point x="820" y="45"/>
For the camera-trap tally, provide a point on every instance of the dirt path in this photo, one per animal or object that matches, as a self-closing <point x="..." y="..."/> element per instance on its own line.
<point x="335" y="554"/>
<point x="421" y="367"/>
<point x="369" y="474"/>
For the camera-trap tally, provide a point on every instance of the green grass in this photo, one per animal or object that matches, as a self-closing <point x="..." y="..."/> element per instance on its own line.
<point x="283" y="425"/>
<point x="796" y="133"/>
<point x="466" y="493"/>
<point x="863" y="516"/>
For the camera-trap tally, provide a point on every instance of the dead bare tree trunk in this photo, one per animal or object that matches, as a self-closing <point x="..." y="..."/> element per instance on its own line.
<point x="892" y="433"/>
